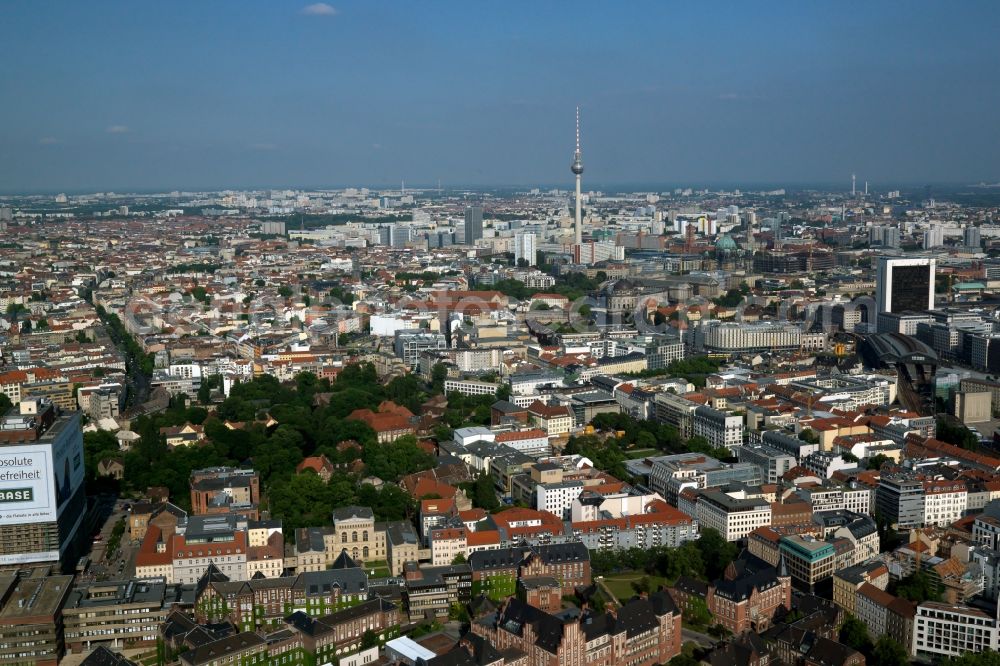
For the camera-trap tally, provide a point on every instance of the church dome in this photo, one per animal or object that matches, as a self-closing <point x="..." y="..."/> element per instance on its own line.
<point x="725" y="244"/>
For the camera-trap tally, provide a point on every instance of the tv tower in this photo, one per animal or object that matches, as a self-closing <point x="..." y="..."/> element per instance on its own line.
<point x="577" y="168"/>
<point x="854" y="180"/>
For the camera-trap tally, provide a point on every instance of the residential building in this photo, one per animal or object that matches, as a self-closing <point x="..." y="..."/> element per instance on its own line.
<point x="951" y="630"/>
<point x="847" y="582"/>
<point x="722" y="430"/>
<point x="733" y="517"/>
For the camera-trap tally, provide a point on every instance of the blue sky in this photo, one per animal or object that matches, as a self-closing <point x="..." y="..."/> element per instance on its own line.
<point x="159" y="95"/>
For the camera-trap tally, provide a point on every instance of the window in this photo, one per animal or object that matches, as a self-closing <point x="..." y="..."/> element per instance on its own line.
<point x="354" y="536"/>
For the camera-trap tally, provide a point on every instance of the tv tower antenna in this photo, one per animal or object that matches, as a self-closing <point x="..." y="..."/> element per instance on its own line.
<point x="577" y="169"/>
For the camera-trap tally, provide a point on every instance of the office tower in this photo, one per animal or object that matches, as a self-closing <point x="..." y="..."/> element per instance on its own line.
<point x="473" y="224"/>
<point x="892" y="238"/>
<point x="884" y="237"/>
<point x="385" y="234"/>
<point x="905" y="285"/>
<point x="42" y="500"/>
<point x="972" y="236"/>
<point x="525" y="247"/>
<point x="399" y="236"/>
<point x="933" y="237"/>
<point x="577" y="169"/>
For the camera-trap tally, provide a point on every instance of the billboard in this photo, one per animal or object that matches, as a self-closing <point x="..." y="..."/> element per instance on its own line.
<point x="27" y="485"/>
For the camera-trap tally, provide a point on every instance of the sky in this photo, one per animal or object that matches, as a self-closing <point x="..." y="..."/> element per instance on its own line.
<point x="155" y="95"/>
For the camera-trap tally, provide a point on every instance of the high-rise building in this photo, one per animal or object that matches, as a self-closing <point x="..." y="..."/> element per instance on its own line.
<point x="972" y="237"/>
<point x="473" y="224"/>
<point x="525" y="247"/>
<point x="933" y="237"/>
<point x="42" y="500"/>
<point x="884" y="236"/>
<point x="905" y="285"/>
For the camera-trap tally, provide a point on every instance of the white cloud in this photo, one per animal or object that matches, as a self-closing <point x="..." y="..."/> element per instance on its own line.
<point x="118" y="129"/>
<point x="48" y="140"/>
<point x="319" y="9"/>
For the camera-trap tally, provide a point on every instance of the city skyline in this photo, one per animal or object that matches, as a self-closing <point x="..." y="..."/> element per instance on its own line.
<point x="328" y="95"/>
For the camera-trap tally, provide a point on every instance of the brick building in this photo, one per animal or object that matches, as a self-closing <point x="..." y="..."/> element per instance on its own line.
<point x="643" y="632"/>
<point x="224" y="490"/>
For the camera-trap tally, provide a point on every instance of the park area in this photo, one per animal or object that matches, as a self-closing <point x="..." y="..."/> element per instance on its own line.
<point x="626" y="584"/>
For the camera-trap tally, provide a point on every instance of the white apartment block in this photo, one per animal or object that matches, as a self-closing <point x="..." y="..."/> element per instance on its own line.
<point x="944" y="502"/>
<point x="557" y="498"/>
<point x="719" y="428"/>
<point x="733" y="517"/>
<point x="470" y="387"/>
<point x="859" y="500"/>
<point x="947" y="630"/>
<point x="824" y="463"/>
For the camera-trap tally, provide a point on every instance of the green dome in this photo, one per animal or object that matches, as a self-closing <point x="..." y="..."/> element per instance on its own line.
<point x="725" y="244"/>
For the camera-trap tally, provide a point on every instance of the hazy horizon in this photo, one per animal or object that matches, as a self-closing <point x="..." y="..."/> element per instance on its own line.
<point x="117" y="96"/>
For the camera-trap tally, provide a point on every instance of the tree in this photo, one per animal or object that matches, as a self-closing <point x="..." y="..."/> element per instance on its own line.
<point x="809" y="435"/>
<point x="985" y="658"/>
<point x="369" y="639"/>
<point x="484" y="495"/>
<point x="917" y="587"/>
<point x="284" y="291"/>
<point x="641" y="586"/>
<point x="955" y="432"/>
<point x="888" y="652"/>
<point x="876" y="461"/>
<point x="645" y="440"/>
<point x="439" y="373"/>
<point x="391" y="461"/>
<point x="459" y="559"/>
<point x="683" y="660"/>
<point x="716" y="552"/>
<point x="854" y="633"/>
